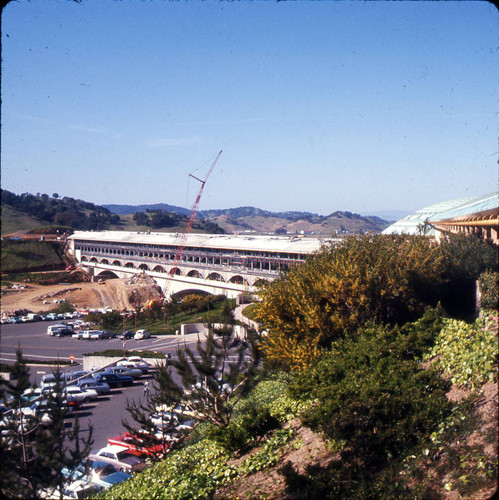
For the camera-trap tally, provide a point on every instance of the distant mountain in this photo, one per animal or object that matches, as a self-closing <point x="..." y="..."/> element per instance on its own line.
<point x="130" y="209"/>
<point x="26" y="211"/>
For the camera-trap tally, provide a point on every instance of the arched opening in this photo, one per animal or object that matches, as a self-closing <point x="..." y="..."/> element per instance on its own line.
<point x="159" y="269"/>
<point x="238" y="280"/>
<point x="129" y="265"/>
<point x="215" y="277"/>
<point x="143" y="267"/>
<point x="93" y="259"/>
<point x="116" y="263"/>
<point x="195" y="274"/>
<point x="104" y="261"/>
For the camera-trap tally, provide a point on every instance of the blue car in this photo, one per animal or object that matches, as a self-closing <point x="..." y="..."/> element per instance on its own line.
<point x="113" y="379"/>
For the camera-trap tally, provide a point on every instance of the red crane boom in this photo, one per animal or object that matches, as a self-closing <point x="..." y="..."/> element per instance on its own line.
<point x="188" y="228"/>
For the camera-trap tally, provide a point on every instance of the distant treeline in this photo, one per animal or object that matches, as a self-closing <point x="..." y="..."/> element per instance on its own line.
<point x="78" y="214"/>
<point x="157" y="219"/>
<point x="66" y="211"/>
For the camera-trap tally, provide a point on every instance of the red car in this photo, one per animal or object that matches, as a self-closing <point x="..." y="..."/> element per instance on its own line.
<point x="127" y="441"/>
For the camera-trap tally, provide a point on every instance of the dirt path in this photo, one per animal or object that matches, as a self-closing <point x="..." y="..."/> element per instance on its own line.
<point x="37" y="298"/>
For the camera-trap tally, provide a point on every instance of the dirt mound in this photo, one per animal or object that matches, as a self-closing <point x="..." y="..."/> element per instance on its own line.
<point x="113" y="293"/>
<point x="141" y="288"/>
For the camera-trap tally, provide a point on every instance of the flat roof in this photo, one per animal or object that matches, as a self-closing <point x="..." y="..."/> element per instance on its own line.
<point x="286" y="244"/>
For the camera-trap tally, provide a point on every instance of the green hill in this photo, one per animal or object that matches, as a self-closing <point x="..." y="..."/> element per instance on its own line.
<point x="14" y="220"/>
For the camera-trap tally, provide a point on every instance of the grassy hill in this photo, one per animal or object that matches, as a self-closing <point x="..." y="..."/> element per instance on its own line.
<point x="24" y="255"/>
<point x="24" y="212"/>
<point x="15" y="221"/>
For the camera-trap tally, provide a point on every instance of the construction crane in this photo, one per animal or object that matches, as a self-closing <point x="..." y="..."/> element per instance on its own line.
<point x="183" y="237"/>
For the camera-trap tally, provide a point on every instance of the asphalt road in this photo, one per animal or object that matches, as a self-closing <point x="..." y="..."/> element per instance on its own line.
<point x="106" y="413"/>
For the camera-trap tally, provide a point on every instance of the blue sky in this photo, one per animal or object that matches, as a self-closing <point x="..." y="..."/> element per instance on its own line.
<point x="317" y="106"/>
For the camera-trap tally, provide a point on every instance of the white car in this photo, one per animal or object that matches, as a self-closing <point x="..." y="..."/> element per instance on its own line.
<point x="120" y="457"/>
<point x="74" y="393"/>
<point x="141" y="334"/>
<point x="135" y="362"/>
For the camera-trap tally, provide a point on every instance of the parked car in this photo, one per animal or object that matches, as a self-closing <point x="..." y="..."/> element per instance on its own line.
<point x="141" y="334"/>
<point x="176" y="421"/>
<point x="127" y="334"/>
<point x="120" y="457"/>
<point x="113" y="380"/>
<point x="85" y="334"/>
<point x="91" y="383"/>
<point x="80" y="488"/>
<point x="97" y="335"/>
<point x="126" y="440"/>
<point x="74" y="393"/>
<point x="31" y="394"/>
<point x="135" y="362"/>
<point x="135" y="373"/>
<point x="40" y="410"/>
<point x="97" y="472"/>
<point x="77" y="374"/>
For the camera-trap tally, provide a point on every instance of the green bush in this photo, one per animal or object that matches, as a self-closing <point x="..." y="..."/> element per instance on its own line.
<point x="489" y="290"/>
<point x="246" y="431"/>
<point x="467" y="352"/>
<point x="371" y="400"/>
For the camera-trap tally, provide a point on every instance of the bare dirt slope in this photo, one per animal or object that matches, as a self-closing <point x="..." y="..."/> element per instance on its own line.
<point x="111" y="293"/>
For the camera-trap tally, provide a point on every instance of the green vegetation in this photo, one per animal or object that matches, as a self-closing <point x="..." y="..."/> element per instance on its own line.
<point x="364" y="341"/>
<point x="468" y="353"/>
<point x="384" y="279"/>
<point x="373" y="401"/>
<point x="19" y="256"/>
<point x="36" y="212"/>
<point x="167" y="319"/>
<point x="34" y="448"/>
<point x="198" y="469"/>
<point x="489" y="290"/>
<point x="65" y="211"/>
<point x="44" y="277"/>
<point x="158" y="219"/>
<point x="15" y="220"/>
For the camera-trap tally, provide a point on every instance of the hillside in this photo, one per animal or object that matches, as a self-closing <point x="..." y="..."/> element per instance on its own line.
<point x="28" y="212"/>
<point x="252" y="219"/>
<point x="14" y="220"/>
<point x="130" y="209"/>
<point x="21" y="213"/>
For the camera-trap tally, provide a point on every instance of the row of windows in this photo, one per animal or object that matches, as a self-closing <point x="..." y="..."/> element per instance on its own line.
<point x="189" y="254"/>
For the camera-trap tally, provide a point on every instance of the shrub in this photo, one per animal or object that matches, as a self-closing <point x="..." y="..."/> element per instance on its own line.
<point x="489" y="290"/>
<point x="371" y="399"/>
<point x="245" y="431"/>
<point x="386" y="279"/>
<point x="467" y="352"/>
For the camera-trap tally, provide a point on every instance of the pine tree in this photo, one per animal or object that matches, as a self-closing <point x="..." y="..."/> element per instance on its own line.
<point x="203" y="385"/>
<point x="22" y="471"/>
<point x="32" y="454"/>
<point x="59" y="446"/>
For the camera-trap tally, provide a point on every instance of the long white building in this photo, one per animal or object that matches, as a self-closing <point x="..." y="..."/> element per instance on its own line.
<point x="229" y="264"/>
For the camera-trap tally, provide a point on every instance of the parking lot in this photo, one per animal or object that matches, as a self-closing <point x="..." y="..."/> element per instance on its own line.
<point x="106" y="413"/>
